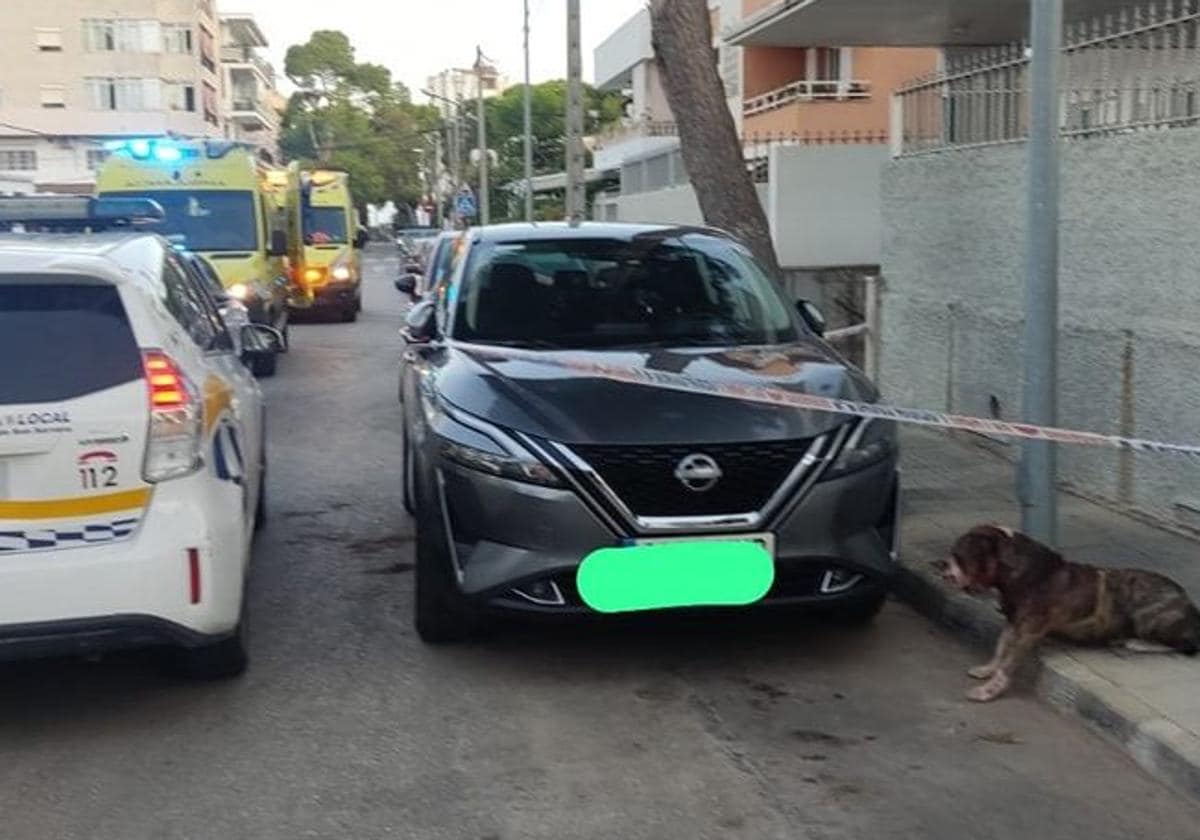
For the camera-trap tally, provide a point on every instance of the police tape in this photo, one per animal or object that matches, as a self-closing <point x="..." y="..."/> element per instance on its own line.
<point x="767" y="395"/>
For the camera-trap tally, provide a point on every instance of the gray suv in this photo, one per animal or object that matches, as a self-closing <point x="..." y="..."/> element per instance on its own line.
<point x="519" y="470"/>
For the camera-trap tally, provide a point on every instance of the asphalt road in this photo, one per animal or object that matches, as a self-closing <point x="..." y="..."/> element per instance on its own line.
<point x="347" y="727"/>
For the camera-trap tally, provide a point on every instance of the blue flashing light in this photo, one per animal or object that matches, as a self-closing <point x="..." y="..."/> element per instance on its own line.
<point x="139" y="148"/>
<point x="167" y="154"/>
<point x="116" y="146"/>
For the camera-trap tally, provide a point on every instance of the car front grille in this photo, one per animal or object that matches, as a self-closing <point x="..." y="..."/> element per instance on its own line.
<point x="643" y="477"/>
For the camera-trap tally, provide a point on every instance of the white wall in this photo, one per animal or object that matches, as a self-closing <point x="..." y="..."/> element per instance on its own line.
<point x="623" y="50"/>
<point x="825" y="204"/>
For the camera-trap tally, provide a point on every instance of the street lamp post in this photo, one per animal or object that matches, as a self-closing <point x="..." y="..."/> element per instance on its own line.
<point x="1038" y="470"/>
<point x="528" y="126"/>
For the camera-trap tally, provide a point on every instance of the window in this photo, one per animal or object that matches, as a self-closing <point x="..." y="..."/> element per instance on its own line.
<point x="72" y="339"/>
<point x="180" y="96"/>
<point x="106" y="94"/>
<point x="48" y="39"/>
<point x="96" y="157"/>
<point x="101" y="35"/>
<point x="668" y="290"/>
<point x="187" y="303"/>
<point x="177" y="38"/>
<point x="54" y="96"/>
<point x="18" y="160"/>
<point x="210" y="105"/>
<point x="829" y="64"/>
<point x="208" y="220"/>
<point x="325" y="226"/>
<point x="208" y="51"/>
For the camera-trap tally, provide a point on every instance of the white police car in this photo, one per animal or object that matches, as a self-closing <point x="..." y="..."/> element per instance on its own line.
<point x="132" y="458"/>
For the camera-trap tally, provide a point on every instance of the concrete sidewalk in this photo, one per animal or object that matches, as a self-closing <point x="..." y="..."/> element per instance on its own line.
<point x="1149" y="704"/>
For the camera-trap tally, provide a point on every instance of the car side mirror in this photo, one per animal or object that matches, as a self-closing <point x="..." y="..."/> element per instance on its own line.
<point x="812" y="316"/>
<point x="259" y="342"/>
<point x="420" y="326"/>
<point x="279" y="243"/>
<point x="407" y="284"/>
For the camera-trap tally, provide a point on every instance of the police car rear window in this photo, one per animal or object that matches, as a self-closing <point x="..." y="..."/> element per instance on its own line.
<point x="63" y="341"/>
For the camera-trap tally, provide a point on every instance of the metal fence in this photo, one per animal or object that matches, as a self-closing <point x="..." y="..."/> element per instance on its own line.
<point x="1134" y="70"/>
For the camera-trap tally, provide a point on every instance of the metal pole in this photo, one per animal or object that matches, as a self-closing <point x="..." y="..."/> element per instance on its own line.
<point x="437" y="177"/>
<point x="528" y="126"/>
<point x="1037" y="481"/>
<point x="484" y="208"/>
<point x="576" y="197"/>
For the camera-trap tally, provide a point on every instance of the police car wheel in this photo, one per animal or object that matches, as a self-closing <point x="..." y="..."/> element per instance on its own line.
<point x="350" y="314"/>
<point x="441" y="614"/>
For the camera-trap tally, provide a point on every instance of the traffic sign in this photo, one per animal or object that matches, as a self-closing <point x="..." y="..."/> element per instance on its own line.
<point x="464" y="203"/>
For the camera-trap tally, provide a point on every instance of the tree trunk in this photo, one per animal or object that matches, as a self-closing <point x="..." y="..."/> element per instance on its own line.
<point x="712" y="151"/>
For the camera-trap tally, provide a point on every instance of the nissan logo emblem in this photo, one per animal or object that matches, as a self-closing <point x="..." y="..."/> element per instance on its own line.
<point x="698" y="473"/>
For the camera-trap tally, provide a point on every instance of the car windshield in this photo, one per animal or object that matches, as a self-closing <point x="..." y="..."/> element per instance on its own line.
<point x="677" y="290"/>
<point x="325" y="226"/>
<point x="206" y="220"/>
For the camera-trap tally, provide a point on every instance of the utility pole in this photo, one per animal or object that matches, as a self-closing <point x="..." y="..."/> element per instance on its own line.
<point x="528" y="126"/>
<point x="484" y="209"/>
<point x="576" y="194"/>
<point x="1038" y="471"/>
<point x="437" y="177"/>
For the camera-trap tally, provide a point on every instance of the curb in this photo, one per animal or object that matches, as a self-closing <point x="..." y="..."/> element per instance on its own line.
<point x="1156" y="744"/>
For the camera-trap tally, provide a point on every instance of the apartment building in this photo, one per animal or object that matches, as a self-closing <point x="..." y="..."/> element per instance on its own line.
<point x="252" y="104"/>
<point x="462" y="84"/>
<point x="78" y="73"/>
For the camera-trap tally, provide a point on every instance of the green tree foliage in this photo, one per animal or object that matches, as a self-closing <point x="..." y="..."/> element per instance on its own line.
<point x="506" y="132"/>
<point x="353" y="116"/>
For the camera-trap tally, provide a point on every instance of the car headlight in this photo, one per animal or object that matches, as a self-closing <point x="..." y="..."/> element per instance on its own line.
<point x="341" y="273"/>
<point x="239" y="291"/>
<point x="873" y="441"/>
<point x="513" y="467"/>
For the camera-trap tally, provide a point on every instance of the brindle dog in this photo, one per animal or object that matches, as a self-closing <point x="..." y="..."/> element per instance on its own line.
<point x="1042" y="595"/>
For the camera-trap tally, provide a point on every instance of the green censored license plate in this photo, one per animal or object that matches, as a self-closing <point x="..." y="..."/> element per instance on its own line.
<point x="677" y="573"/>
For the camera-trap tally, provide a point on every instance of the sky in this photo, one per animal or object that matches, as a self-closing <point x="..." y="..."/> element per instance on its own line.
<point x="416" y="39"/>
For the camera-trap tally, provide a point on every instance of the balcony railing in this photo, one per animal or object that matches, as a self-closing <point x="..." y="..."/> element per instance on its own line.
<point x="1136" y="71"/>
<point x="631" y="128"/>
<point x="247" y="55"/>
<point x="803" y="90"/>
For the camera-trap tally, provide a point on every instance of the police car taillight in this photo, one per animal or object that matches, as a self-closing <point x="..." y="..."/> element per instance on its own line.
<point x="173" y="443"/>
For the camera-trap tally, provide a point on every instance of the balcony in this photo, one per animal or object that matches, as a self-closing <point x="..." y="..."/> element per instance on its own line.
<point x="246" y="58"/>
<point x="803" y="90"/>
<point x="913" y="23"/>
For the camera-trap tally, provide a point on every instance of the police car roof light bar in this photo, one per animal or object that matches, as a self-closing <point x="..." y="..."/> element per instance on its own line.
<point x="79" y="211"/>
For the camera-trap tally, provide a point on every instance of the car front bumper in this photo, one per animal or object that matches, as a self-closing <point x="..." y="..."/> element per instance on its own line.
<point x="505" y="536"/>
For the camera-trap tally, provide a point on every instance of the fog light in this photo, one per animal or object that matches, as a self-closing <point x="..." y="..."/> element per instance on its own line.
<point x="544" y="593"/>
<point x="836" y="581"/>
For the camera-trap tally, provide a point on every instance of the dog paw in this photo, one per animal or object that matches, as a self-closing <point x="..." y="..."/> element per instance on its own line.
<point x="982" y="672"/>
<point x="990" y="690"/>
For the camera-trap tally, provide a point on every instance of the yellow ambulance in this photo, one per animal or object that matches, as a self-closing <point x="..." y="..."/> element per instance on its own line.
<point x="330" y="271"/>
<point x="218" y="203"/>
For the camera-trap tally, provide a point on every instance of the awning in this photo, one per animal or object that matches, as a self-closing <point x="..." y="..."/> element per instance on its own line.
<point x="899" y="23"/>
<point x="244" y="30"/>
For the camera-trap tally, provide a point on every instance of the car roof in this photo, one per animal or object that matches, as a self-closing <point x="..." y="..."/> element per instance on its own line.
<point x="626" y="231"/>
<point x="99" y="254"/>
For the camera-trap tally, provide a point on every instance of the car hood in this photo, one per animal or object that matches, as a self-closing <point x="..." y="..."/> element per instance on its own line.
<point x="567" y="406"/>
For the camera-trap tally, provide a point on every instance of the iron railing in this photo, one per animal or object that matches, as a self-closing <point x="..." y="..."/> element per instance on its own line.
<point x="1135" y="70"/>
<point x="803" y="90"/>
